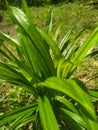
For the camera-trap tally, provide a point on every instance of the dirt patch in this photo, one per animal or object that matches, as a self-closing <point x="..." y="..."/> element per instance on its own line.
<point x="9" y="29"/>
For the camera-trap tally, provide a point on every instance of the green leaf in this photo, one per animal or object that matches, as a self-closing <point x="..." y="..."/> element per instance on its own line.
<point x="91" y="124"/>
<point x="6" y="52"/>
<point x="94" y="93"/>
<point x="15" y="114"/>
<point x="71" y="88"/>
<point x="33" y="56"/>
<point x="49" y="21"/>
<point x="70" y="122"/>
<point x="86" y="46"/>
<point x="29" y="30"/>
<point x="55" y="49"/>
<point x="92" y="54"/>
<point x="57" y="31"/>
<point x="65" y="39"/>
<point x="69" y="48"/>
<point x="78" y="56"/>
<point x="72" y="45"/>
<point x="11" y="74"/>
<point x="9" y="39"/>
<point x="77" y="118"/>
<point x="22" y="120"/>
<point x="47" y="115"/>
<point x="26" y="10"/>
<point x="60" y="67"/>
<point x="67" y="103"/>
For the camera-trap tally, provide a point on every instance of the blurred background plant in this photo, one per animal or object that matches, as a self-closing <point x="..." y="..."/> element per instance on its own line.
<point x="41" y="2"/>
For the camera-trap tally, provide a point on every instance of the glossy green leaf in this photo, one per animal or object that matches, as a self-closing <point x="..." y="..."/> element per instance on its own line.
<point x="71" y="88"/>
<point x="92" y="54"/>
<point x="17" y="113"/>
<point x="33" y="57"/>
<point x="86" y="46"/>
<point x="49" y="21"/>
<point x="22" y="120"/>
<point x="51" y="43"/>
<point x="9" y="39"/>
<point x="7" y="53"/>
<point x="57" y="31"/>
<point x="70" y="122"/>
<point x="11" y="74"/>
<point x="73" y="45"/>
<point x="94" y="93"/>
<point x="91" y="124"/>
<point x="29" y="30"/>
<point x="65" y="39"/>
<point x="60" y="67"/>
<point x="26" y="10"/>
<point x="47" y="116"/>
<point x="67" y="104"/>
<point x="77" y="118"/>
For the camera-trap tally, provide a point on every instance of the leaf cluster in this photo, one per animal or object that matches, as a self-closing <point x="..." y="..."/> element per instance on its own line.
<point x="44" y="68"/>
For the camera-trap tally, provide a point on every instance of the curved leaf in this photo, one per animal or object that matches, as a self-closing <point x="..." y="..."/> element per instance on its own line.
<point x="94" y="94"/>
<point x="9" y="39"/>
<point x="86" y="46"/>
<point x="49" y="22"/>
<point x="77" y="118"/>
<point x="51" y="43"/>
<point x="67" y="103"/>
<point x="71" y="88"/>
<point x="29" y="30"/>
<point x="17" y="113"/>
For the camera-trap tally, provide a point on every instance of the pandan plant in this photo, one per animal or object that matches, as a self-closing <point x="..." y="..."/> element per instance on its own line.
<point x="44" y="68"/>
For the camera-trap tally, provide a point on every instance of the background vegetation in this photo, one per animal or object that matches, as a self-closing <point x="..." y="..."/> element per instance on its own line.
<point x="38" y="2"/>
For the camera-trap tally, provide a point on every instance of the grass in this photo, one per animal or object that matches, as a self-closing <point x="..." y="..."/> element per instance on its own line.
<point x="71" y="12"/>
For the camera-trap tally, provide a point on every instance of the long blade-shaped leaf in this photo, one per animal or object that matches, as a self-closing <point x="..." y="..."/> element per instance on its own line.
<point x="49" y="22"/>
<point x="65" y="39"/>
<point x="92" y="54"/>
<point x="72" y="47"/>
<point x="6" y="52"/>
<point x="9" y="39"/>
<point x="77" y="118"/>
<point x="21" y="20"/>
<point x="82" y="51"/>
<point x="70" y="122"/>
<point x="12" y="74"/>
<point x="86" y="46"/>
<point x="22" y="120"/>
<point x="94" y="94"/>
<point x="16" y="113"/>
<point x="26" y="9"/>
<point x="72" y="89"/>
<point x="33" y="56"/>
<point x="57" y="32"/>
<point x="67" y="103"/>
<point x="90" y="124"/>
<point x="51" y="43"/>
<point x="47" y="115"/>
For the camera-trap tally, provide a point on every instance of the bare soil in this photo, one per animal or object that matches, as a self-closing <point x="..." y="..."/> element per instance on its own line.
<point x="9" y="29"/>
